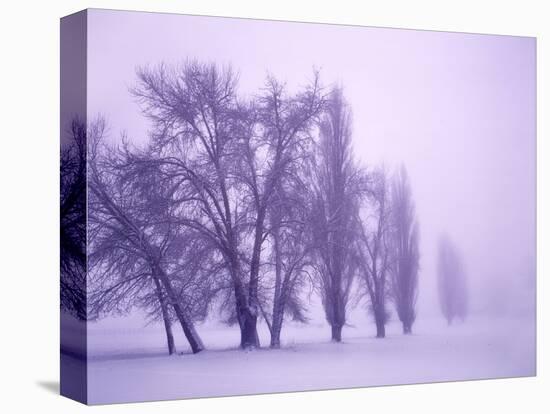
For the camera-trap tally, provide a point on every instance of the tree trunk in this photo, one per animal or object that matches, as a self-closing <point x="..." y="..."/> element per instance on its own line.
<point x="185" y="321"/>
<point x="249" y="332"/>
<point x="407" y="328"/>
<point x="278" y="315"/>
<point x="339" y="318"/>
<point x="165" y="318"/>
<point x="278" y="310"/>
<point x="248" y="318"/>
<point x="380" y="328"/>
<point x="256" y="252"/>
<point x="246" y="307"/>
<point x="336" y="333"/>
<point x="188" y="328"/>
<point x="276" y="337"/>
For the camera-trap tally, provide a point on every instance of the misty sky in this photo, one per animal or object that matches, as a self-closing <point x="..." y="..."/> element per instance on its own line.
<point x="457" y="109"/>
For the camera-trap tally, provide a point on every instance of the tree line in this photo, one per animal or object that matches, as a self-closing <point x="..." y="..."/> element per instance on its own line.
<point x="242" y="204"/>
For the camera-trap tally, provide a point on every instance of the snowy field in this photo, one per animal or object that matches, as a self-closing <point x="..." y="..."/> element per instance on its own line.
<point x="132" y="364"/>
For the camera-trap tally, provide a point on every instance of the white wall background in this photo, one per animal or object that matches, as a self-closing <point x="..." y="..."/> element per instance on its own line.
<point x="29" y="113"/>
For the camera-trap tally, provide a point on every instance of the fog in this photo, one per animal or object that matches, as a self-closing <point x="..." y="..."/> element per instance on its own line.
<point x="458" y="110"/>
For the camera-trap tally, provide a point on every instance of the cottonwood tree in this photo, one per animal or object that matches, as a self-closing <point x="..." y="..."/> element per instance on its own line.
<point x="283" y="144"/>
<point x="405" y="241"/>
<point x="73" y="222"/>
<point x="196" y="125"/>
<point x="230" y="155"/>
<point x="375" y="246"/>
<point x="451" y="277"/>
<point x="335" y="209"/>
<point x="290" y="258"/>
<point x="129" y="243"/>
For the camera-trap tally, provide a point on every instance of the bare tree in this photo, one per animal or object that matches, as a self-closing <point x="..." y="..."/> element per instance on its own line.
<point x="231" y="154"/>
<point x="128" y="245"/>
<point x="73" y="222"/>
<point x="285" y="122"/>
<point x="453" y="296"/>
<point x="196" y="126"/>
<point x="375" y="246"/>
<point x="335" y="209"/>
<point x="290" y="259"/>
<point x="406" y="262"/>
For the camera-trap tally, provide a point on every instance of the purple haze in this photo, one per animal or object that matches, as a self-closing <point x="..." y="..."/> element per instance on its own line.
<point x="458" y="110"/>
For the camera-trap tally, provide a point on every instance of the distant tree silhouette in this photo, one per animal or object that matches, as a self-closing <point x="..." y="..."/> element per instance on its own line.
<point x="453" y="294"/>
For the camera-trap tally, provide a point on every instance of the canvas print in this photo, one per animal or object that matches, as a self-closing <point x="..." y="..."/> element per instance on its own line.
<point x="255" y="206"/>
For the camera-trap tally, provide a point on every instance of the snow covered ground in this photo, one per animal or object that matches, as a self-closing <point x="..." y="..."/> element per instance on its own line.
<point x="132" y="364"/>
